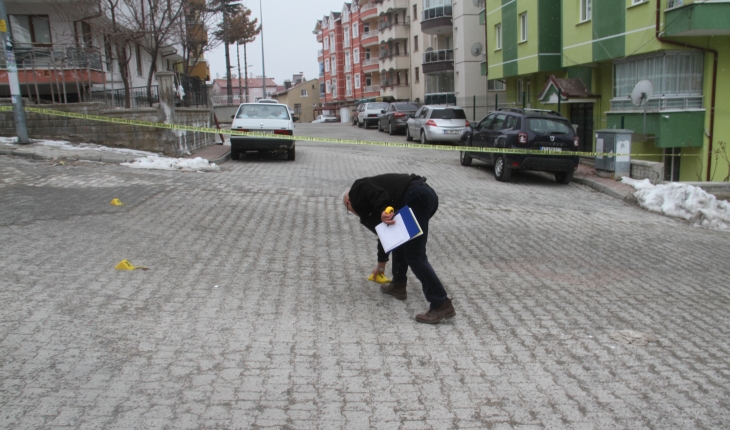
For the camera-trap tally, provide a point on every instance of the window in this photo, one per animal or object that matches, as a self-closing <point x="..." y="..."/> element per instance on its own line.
<point x="346" y="38"/>
<point x="496" y="85"/>
<point x="347" y="61"/>
<point x="334" y="88"/>
<point x="415" y="43"/>
<point x="523" y="27"/>
<point x="348" y="86"/>
<point x="138" y="58"/>
<point x="83" y="34"/>
<point x="326" y="43"/>
<point x="334" y="65"/>
<point x="498" y="36"/>
<point x="304" y="93"/>
<point x="328" y="87"/>
<point x="357" y="81"/>
<point x="415" y="11"/>
<point x="297" y="108"/>
<point x="108" y="54"/>
<point x="417" y="75"/>
<point x="30" y="29"/>
<point x="356" y="55"/>
<point x="327" y="65"/>
<point x="368" y="80"/>
<point x="586" y="11"/>
<point x="332" y="42"/>
<point x="355" y="30"/>
<point x="672" y="73"/>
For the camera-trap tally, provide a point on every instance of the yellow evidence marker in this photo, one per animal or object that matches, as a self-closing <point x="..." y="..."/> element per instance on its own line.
<point x="380" y="279"/>
<point x="116" y="202"/>
<point x="126" y="265"/>
<point x="389" y="210"/>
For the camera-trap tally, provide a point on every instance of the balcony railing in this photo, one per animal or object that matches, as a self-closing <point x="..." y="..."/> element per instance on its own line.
<point x="369" y="34"/>
<point x="367" y="6"/>
<point x="370" y="61"/>
<point x="372" y="88"/>
<point x="660" y="104"/>
<point x="440" y="55"/>
<point x="114" y="99"/>
<point x="384" y="25"/>
<point x="436" y="12"/>
<point x="55" y="57"/>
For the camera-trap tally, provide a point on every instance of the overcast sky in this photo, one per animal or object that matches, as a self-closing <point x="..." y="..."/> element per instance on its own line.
<point x="289" y="45"/>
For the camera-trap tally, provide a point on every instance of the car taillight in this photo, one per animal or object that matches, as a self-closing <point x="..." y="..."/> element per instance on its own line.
<point x="399" y="115"/>
<point x="431" y="123"/>
<point x="467" y="123"/>
<point x="576" y="141"/>
<point x="522" y="138"/>
<point x="286" y="132"/>
<point x="242" y="129"/>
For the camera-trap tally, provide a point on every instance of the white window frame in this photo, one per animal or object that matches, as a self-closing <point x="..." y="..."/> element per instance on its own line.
<point x="356" y="56"/>
<point x="333" y="46"/>
<point x="348" y="86"/>
<point x="586" y="10"/>
<point x="333" y="65"/>
<point x="523" y="27"/>
<point x="355" y="30"/>
<point x="357" y="81"/>
<point x="326" y="64"/>
<point x="326" y="43"/>
<point x="334" y="88"/>
<point x="346" y="38"/>
<point x="328" y="87"/>
<point x="348" y="66"/>
<point x="498" y="36"/>
<point x="304" y="93"/>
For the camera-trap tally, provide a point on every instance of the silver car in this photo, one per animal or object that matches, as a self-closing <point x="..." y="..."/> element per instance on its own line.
<point x="369" y="113"/>
<point x="437" y="124"/>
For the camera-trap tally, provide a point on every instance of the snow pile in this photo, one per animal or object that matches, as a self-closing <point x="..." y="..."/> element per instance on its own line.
<point x="166" y="163"/>
<point x="684" y="201"/>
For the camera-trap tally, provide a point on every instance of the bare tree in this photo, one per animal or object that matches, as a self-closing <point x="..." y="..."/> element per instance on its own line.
<point x="225" y="32"/>
<point x="246" y="30"/>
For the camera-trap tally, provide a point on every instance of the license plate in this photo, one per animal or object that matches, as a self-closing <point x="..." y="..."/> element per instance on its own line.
<point x="550" y="149"/>
<point x="452" y="131"/>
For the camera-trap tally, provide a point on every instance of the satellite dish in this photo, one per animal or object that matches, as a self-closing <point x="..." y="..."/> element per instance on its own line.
<point x="642" y="92"/>
<point x="476" y="49"/>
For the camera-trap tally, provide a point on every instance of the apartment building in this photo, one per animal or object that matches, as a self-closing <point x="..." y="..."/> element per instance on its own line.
<point x="301" y="96"/>
<point x="585" y="57"/>
<point x="65" y="53"/>
<point x="429" y="51"/>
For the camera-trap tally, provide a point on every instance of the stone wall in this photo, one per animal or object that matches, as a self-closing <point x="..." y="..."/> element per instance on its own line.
<point x="175" y="143"/>
<point x="651" y="170"/>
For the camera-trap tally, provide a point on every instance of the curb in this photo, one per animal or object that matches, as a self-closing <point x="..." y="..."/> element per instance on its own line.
<point x="628" y="198"/>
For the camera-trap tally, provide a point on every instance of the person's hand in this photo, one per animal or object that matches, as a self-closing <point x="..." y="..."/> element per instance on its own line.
<point x="380" y="268"/>
<point x="387" y="216"/>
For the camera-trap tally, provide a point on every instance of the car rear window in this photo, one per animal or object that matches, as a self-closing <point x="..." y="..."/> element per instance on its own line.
<point x="406" y="106"/>
<point x="262" y="111"/>
<point x="448" y="114"/>
<point x="548" y="126"/>
<point x="377" y="105"/>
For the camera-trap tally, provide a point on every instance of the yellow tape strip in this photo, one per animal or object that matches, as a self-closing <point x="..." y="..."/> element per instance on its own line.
<point x="325" y="139"/>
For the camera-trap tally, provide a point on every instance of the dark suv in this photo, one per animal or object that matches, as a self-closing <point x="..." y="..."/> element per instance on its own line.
<point x="534" y="129"/>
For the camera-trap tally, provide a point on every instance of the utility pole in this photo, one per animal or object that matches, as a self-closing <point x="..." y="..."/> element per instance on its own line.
<point x="7" y="39"/>
<point x="263" y="66"/>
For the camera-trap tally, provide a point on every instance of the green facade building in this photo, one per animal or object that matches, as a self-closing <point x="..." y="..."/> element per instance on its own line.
<point x="585" y="57"/>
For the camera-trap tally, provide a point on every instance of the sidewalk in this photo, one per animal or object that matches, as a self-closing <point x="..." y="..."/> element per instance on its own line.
<point x="220" y="153"/>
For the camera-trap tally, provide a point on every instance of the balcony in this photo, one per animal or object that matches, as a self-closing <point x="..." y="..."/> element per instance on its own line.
<point x="393" y="31"/>
<point x="395" y="62"/>
<point x="371" y="90"/>
<point x="370" y="65"/>
<point x="320" y="53"/>
<point x="369" y="38"/>
<point x="440" y="99"/>
<point x="437" y="20"/>
<point x="698" y="19"/>
<point x="436" y="61"/>
<point x="368" y="9"/>
<point x="390" y="5"/>
<point x="398" y="92"/>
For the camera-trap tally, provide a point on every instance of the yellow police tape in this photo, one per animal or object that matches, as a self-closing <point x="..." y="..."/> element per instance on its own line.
<point x="322" y="139"/>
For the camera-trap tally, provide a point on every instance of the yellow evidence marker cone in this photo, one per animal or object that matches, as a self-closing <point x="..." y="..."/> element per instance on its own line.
<point x="380" y="279"/>
<point x="116" y="202"/>
<point x="126" y="265"/>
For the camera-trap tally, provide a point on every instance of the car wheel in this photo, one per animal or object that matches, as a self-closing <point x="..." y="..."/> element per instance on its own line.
<point x="564" y="177"/>
<point x="390" y="129"/>
<point x="502" y="171"/>
<point x="291" y="153"/>
<point x="464" y="158"/>
<point x="424" y="139"/>
<point x="408" y="134"/>
<point x="380" y="128"/>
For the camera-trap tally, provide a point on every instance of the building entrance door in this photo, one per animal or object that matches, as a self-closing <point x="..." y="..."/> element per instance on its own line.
<point x="581" y="115"/>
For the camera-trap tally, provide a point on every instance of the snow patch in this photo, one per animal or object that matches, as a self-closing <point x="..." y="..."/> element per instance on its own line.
<point x="165" y="163"/>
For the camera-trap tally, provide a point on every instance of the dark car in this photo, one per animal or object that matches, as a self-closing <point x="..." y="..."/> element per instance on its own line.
<point x="395" y="116"/>
<point x="524" y="129"/>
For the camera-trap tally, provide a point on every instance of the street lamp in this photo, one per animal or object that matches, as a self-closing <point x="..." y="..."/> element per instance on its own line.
<point x="263" y="67"/>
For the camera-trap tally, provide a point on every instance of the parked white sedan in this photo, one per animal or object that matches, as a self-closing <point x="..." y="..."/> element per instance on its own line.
<point x="267" y="118"/>
<point x="325" y="118"/>
<point x="433" y="123"/>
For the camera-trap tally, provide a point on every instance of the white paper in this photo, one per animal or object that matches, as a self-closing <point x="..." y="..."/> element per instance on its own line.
<point x="392" y="236"/>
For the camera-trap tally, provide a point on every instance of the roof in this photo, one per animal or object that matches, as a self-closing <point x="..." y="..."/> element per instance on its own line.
<point x="285" y="90"/>
<point x="252" y="82"/>
<point x="566" y="88"/>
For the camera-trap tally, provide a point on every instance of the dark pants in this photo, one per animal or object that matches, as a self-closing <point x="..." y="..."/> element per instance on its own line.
<point x="424" y="202"/>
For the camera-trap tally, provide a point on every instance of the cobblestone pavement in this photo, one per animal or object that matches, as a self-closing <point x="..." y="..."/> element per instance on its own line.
<point x="255" y="311"/>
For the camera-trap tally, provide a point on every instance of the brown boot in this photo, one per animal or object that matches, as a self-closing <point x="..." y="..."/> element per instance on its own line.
<point x="395" y="289"/>
<point x="433" y="316"/>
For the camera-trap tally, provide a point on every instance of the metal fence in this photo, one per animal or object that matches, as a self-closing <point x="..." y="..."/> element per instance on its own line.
<point x="55" y="57"/>
<point x="114" y="99"/>
<point x="191" y="91"/>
